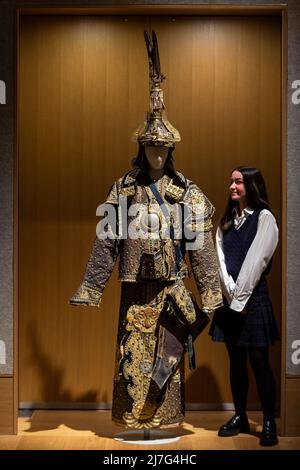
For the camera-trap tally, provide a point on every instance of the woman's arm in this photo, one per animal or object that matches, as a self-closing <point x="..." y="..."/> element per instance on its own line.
<point x="227" y="282"/>
<point x="256" y="261"/>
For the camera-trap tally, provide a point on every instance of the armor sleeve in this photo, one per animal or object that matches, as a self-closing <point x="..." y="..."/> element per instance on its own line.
<point x="206" y="273"/>
<point x="98" y="271"/>
<point x="100" y="265"/>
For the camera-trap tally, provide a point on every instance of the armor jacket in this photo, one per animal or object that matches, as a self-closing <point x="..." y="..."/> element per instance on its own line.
<point x="141" y="238"/>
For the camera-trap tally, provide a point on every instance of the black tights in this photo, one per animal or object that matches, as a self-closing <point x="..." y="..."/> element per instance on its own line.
<point x="259" y="360"/>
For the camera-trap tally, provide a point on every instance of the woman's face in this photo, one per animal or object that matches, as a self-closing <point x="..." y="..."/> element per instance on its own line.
<point x="237" y="188"/>
<point x="156" y="156"/>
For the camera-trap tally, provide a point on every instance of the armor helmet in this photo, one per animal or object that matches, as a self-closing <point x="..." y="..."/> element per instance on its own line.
<point x="156" y="129"/>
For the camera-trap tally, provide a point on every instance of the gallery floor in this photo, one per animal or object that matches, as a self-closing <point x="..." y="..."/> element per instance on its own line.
<point x="94" y="430"/>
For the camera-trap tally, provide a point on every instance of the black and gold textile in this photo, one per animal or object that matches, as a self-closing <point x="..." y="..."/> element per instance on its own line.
<point x="148" y="271"/>
<point x="137" y="339"/>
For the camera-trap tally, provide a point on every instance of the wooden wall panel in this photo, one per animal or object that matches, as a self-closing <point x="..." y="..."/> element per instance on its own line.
<point x="83" y="91"/>
<point x="6" y="405"/>
<point x="225" y="97"/>
<point x="292" y="407"/>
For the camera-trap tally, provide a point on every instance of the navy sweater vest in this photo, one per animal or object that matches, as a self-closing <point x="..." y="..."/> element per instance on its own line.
<point x="236" y="243"/>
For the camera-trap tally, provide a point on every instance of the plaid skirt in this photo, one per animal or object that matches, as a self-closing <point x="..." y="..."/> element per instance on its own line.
<point x="257" y="328"/>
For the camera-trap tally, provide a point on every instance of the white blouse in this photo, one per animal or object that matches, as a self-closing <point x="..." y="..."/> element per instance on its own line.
<point x="257" y="258"/>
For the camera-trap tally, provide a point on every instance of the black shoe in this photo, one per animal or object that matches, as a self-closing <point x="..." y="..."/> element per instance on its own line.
<point x="269" y="433"/>
<point x="237" y="424"/>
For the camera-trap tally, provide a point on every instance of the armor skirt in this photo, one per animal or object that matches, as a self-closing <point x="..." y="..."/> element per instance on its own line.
<point x="140" y="306"/>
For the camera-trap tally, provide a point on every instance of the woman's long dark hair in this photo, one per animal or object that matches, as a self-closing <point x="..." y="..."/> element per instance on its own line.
<point x="256" y="194"/>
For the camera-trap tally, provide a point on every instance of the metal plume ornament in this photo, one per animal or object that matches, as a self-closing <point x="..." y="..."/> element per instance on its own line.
<point x="156" y="129"/>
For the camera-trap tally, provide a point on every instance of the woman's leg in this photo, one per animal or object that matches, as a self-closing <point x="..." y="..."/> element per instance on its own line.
<point x="259" y="359"/>
<point x="238" y="376"/>
<point x="239" y="387"/>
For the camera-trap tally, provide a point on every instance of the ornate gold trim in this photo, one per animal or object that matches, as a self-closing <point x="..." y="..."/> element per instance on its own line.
<point x="174" y="192"/>
<point x="86" y="295"/>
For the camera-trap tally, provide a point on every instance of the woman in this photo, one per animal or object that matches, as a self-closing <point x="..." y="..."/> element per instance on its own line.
<point x="246" y="240"/>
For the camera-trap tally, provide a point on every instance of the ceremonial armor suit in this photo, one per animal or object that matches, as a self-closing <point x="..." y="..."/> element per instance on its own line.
<point x="143" y="293"/>
<point x="149" y="373"/>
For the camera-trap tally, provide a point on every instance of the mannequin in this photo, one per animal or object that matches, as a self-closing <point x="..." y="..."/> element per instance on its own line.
<point x="149" y="368"/>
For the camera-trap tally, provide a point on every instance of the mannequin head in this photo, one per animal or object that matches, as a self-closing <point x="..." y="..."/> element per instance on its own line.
<point x="151" y="152"/>
<point x="156" y="156"/>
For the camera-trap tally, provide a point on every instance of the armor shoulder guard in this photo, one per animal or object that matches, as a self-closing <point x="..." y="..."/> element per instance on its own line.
<point x="124" y="186"/>
<point x="176" y="188"/>
<point x="128" y="183"/>
<point x="182" y="179"/>
<point x="194" y="196"/>
<point x="113" y="194"/>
